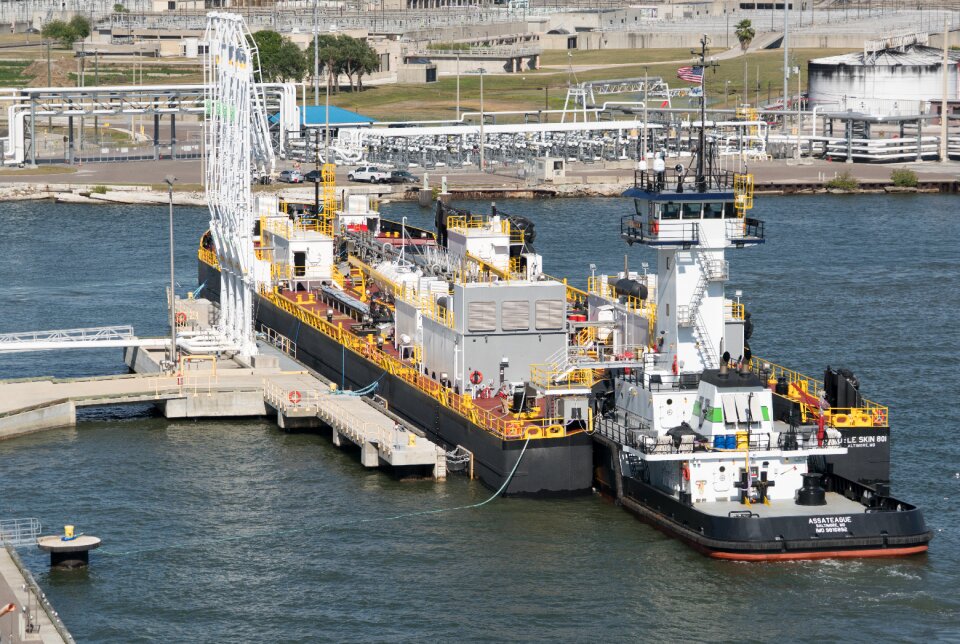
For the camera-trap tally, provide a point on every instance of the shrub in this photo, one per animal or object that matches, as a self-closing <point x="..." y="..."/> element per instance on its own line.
<point x="845" y="181"/>
<point x="99" y="190"/>
<point x="904" y="178"/>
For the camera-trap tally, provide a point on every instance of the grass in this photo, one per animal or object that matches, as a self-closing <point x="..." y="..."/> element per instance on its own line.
<point x="11" y="73"/>
<point x="845" y="181"/>
<point x="532" y="91"/>
<point x="612" y="56"/>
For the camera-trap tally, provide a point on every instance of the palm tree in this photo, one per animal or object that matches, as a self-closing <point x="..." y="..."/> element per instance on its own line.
<point x="745" y="33"/>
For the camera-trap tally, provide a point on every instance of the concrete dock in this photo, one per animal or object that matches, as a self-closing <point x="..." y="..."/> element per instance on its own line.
<point x="34" y="620"/>
<point x="211" y="386"/>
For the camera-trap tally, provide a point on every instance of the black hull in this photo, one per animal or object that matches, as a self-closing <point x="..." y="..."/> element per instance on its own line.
<point x="871" y="534"/>
<point x="559" y="466"/>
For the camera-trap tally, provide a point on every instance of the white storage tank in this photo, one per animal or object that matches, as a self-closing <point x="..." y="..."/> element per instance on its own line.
<point x="892" y="77"/>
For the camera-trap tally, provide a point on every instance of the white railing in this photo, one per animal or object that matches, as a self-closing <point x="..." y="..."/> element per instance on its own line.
<point x="19" y="532"/>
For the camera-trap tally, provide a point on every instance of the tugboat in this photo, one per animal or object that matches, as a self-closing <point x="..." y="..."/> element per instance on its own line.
<point x="736" y="456"/>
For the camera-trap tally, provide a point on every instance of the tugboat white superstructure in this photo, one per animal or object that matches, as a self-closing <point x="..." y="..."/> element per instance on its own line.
<point x="740" y="458"/>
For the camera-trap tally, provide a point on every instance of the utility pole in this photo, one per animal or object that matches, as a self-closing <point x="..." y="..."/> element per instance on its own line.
<point x="458" y="87"/>
<point x="169" y="179"/>
<point x="944" y="152"/>
<point x="643" y="132"/>
<point x="326" y="125"/>
<point x="482" y="146"/>
<point x="316" y="53"/>
<point x="786" y="56"/>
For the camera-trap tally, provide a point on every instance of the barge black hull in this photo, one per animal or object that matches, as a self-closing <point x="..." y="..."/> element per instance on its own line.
<point x="889" y="533"/>
<point x="556" y="466"/>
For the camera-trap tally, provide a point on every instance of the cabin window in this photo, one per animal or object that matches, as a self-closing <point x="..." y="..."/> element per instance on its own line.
<point x="640" y="206"/>
<point x="550" y="314"/>
<point x="515" y="315"/>
<point x="482" y="316"/>
<point x="670" y="210"/>
<point x="713" y="210"/>
<point x="691" y="210"/>
<point x="729" y="211"/>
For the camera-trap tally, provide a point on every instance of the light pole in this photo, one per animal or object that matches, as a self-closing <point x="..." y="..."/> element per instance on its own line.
<point x="169" y="179"/>
<point x="316" y="54"/>
<point x="458" y="87"/>
<point x="483" y="165"/>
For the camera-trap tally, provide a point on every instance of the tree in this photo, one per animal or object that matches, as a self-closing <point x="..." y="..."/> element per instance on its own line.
<point x="745" y="33"/>
<point x="360" y="59"/>
<point x="67" y="33"/>
<point x="345" y="55"/>
<point x="119" y="8"/>
<point x="280" y="58"/>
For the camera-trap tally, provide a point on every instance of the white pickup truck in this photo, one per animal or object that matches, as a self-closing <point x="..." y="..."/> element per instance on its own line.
<point x="370" y="174"/>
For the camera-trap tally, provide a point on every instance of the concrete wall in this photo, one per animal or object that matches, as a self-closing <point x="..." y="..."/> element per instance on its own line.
<point x="62" y="414"/>
<point x="217" y="404"/>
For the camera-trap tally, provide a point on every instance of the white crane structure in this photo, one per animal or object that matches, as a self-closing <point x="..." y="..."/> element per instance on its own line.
<point x="236" y="136"/>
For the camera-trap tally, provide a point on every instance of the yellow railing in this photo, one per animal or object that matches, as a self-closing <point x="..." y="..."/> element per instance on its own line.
<point x="427" y="304"/>
<point x="805" y="390"/>
<point x="288" y="229"/>
<point x="208" y="256"/>
<point x="743" y="193"/>
<point x="549" y="377"/>
<point x="734" y="310"/>
<point x="603" y="288"/>
<point x="503" y="426"/>
<point x="471" y="222"/>
<point x="337" y="277"/>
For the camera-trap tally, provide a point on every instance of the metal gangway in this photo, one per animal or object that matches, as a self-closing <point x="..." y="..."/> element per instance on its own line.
<point x="85" y="338"/>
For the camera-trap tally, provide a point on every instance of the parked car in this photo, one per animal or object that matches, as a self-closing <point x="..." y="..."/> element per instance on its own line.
<point x="402" y="176"/>
<point x="369" y="173"/>
<point x="313" y="176"/>
<point x="290" y="176"/>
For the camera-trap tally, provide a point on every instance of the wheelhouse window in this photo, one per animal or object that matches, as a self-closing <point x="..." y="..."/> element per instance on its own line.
<point x="729" y="211"/>
<point x="670" y="210"/>
<point x="691" y="210"/>
<point x="713" y="209"/>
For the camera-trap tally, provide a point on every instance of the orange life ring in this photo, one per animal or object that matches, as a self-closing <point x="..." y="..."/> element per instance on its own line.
<point x="685" y="471"/>
<point x="181" y="318"/>
<point x="655" y="227"/>
<point x="476" y="377"/>
<point x="295" y="397"/>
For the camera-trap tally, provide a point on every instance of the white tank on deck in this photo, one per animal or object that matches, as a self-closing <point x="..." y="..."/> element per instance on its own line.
<point x="894" y="77"/>
<point x="191" y="47"/>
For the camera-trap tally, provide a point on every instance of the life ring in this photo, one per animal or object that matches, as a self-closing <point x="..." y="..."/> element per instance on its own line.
<point x="512" y="431"/>
<point x="685" y="471"/>
<point x="476" y="377"/>
<point x="181" y="318"/>
<point x="676" y="366"/>
<point x="655" y="227"/>
<point x="295" y="397"/>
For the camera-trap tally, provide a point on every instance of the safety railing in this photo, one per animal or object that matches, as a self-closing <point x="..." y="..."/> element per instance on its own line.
<point x="660" y="232"/>
<point x="207" y="256"/>
<point x="478" y="222"/>
<point x="603" y="288"/>
<point x="806" y="391"/>
<point x="505" y="426"/>
<point x="19" y="532"/>
<point x="744" y="231"/>
<point x="743" y="193"/>
<point x="279" y="340"/>
<point x="549" y="377"/>
<point x="733" y="310"/>
<point x="288" y="229"/>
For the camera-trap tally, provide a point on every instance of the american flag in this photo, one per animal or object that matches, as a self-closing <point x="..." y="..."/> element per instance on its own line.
<point x="691" y="74"/>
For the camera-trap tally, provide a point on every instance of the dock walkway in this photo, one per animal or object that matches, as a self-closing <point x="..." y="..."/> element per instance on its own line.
<point x="219" y="387"/>
<point x="30" y="623"/>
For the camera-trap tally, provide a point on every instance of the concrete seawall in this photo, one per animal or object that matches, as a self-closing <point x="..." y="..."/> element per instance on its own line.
<point x="38" y="418"/>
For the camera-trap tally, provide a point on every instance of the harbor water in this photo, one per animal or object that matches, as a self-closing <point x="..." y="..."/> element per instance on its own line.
<point x="235" y="531"/>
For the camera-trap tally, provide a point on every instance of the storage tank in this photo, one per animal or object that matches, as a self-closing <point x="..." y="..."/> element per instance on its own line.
<point x="889" y="78"/>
